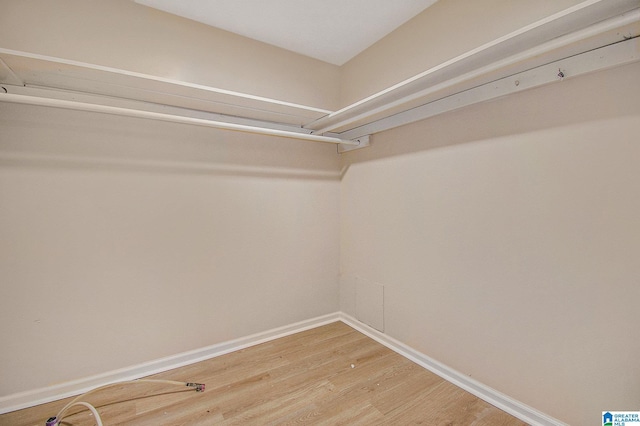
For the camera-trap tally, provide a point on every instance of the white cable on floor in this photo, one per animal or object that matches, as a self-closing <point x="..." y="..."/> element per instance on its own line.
<point x="54" y="421"/>
<point x="89" y="406"/>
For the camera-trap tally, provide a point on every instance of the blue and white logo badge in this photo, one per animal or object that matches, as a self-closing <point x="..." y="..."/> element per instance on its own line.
<point x="621" y="418"/>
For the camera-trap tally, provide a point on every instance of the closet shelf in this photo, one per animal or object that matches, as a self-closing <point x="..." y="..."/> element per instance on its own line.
<point x="575" y="31"/>
<point x="584" y="27"/>
<point x="33" y="70"/>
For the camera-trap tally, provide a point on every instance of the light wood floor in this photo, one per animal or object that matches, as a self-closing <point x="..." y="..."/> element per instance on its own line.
<point x="330" y="375"/>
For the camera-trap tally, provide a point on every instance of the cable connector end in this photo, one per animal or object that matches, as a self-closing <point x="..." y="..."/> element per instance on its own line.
<point x="199" y="386"/>
<point x="52" y="421"/>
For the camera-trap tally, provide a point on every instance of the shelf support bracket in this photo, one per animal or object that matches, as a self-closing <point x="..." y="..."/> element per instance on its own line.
<point x="363" y="142"/>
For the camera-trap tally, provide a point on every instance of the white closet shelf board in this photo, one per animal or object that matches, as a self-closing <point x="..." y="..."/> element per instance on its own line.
<point x="575" y="31"/>
<point x="33" y="70"/>
<point x="586" y="26"/>
<point x="610" y="56"/>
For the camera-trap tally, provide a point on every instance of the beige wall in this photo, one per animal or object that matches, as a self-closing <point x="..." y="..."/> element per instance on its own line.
<point x="443" y="31"/>
<point x="126" y="35"/>
<point x="506" y="236"/>
<point x="124" y="240"/>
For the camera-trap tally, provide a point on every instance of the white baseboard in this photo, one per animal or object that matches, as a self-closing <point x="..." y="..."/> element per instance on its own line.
<point x="517" y="409"/>
<point x="523" y="412"/>
<point x="30" y="398"/>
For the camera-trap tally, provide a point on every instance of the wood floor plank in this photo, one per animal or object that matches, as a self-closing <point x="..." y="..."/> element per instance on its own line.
<point x="283" y="409"/>
<point x="403" y="383"/>
<point x="329" y="375"/>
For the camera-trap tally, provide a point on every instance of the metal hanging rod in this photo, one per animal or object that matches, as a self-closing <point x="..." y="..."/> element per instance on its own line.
<point x="126" y="112"/>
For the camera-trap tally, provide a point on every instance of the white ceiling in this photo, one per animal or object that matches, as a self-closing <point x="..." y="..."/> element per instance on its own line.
<point x="333" y="31"/>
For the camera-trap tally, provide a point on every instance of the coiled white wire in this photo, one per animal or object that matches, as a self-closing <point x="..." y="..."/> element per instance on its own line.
<point x="76" y="400"/>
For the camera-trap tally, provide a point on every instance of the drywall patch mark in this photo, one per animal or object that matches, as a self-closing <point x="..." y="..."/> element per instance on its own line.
<point x="370" y="303"/>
